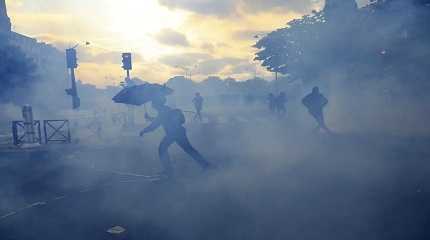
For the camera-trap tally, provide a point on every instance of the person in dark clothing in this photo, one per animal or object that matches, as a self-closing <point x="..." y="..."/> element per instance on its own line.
<point x="198" y="105"/>
<point x="172" y="121"/>
<point x="272" y="102"/>
<point x="315" y="103"/>
<point x="281" y="102"/>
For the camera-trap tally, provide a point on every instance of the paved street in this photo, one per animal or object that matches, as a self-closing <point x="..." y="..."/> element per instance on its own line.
<point x="362" y="197"/>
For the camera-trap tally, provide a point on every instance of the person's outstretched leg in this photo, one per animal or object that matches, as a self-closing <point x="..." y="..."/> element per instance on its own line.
<point x="319" y="117"/>
<point x="164" y="155"/>
<point x="199" y="114"/>
<point x="185" y="144"/>
<point x="315" y="116"/>
<point x="323" y="124"/>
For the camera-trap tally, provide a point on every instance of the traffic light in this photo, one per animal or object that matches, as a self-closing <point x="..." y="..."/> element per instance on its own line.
<point x="126" y="61"/>
<point x="72" y="61"/>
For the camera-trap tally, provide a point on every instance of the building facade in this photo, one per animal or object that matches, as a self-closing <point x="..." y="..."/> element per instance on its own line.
<point x="5" y="25"/>
<point x="50" y="61"/>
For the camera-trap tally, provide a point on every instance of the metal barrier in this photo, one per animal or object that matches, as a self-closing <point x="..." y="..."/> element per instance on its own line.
<point x="20" y="133"/>
<point x="56" y="131"/>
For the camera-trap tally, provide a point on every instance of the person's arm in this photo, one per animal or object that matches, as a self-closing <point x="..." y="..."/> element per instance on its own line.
<point x="324" y="101"/>
<point x="305" y="101"/>
<point x="156" y="123"/>
<point x="149" y="118"/>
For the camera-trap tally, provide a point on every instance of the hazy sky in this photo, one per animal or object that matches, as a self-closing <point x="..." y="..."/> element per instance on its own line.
<point x="212" y="37"/>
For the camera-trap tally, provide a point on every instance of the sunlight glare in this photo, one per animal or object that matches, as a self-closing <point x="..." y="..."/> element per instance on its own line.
<point x="135" y="22"/>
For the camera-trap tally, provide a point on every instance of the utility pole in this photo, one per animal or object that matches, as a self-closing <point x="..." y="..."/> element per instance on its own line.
<point x="72" y="64"/>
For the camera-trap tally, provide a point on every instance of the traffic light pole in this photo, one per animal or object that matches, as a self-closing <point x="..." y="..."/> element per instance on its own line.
<point x="72" y="64"/>
<point x="75" y="98"/>
<point x="130" y="109"/>
<point x="127" y="66"/>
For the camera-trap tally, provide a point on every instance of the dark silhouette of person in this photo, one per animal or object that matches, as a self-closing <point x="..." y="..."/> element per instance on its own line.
<point x="272" y="102"/>
<point x="281" y="102"/>
<point x="315" y="103"/>
<point x="172" y="121"/>
<point x="198" y="105"/>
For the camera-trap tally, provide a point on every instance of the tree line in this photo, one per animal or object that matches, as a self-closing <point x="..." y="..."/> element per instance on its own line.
<point x="382" y="45"/>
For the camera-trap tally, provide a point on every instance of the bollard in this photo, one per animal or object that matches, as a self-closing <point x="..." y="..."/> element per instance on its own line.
<point x="30" y="134"/>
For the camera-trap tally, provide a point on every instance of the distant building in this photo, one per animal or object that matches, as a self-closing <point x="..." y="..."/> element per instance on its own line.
<point x="5" y="25"/>
<point x="50" y="61"/>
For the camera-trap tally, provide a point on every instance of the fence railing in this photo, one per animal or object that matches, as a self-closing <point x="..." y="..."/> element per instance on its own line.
<point x="20" y="133"/>
<point x="54" y="131"/>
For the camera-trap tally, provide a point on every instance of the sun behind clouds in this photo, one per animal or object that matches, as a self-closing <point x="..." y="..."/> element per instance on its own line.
<point x="135" y="23"/>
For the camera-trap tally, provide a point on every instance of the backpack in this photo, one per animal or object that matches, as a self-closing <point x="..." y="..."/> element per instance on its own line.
<point x="177" y="116"/>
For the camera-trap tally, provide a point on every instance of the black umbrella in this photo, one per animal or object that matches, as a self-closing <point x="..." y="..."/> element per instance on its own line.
<point x="141" y="94"/>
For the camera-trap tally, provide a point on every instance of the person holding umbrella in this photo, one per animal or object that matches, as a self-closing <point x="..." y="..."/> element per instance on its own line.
<point x="171" y="120"/>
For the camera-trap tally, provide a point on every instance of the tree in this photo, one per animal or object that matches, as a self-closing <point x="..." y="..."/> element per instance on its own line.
<point x="17" y="72"/>
<point x="386" y="39"/>
<point x="285" y="50"/>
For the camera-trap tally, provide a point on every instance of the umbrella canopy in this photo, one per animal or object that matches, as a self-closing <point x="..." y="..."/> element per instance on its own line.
<point x="141" y="94"/>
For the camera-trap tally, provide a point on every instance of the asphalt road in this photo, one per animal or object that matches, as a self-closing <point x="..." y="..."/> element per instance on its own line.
<point x="353" y="188"/>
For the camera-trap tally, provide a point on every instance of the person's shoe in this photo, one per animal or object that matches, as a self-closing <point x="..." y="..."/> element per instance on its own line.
<point x="165" y="174"/>
<point x="163" y="177"/>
